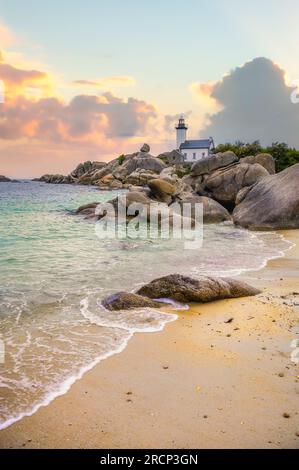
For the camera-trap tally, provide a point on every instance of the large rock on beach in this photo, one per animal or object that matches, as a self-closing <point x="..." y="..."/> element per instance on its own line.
<point x="272" y="203"/>
<point x="91" y="205"/>
<point x="204" y="289"/>
<point x="212" y="163"/>
<point x="136" y="200"/>
<point x="213" y="212"/>
<point x="225" y="183"/>
<point x="136" y="203"/>
<point x="140" y="177"/>
<point x="130" y="198"/>
<point x="126" y="301"/>
<point x="264" y="159"/>
<point x="161" y="190"/>
<point x="88" y="210"/>
<point x="173" y="157"/>
<point x="137" y="197"/>
<point x="143" y="162"/>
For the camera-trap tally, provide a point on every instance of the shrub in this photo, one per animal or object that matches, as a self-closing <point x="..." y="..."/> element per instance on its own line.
<point x="121" y="159"/>
<point x="283" y="155"/>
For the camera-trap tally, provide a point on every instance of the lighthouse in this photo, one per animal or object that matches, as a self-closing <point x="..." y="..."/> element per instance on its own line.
<point x="192" y="150"/>
<point x="181" y="131"/>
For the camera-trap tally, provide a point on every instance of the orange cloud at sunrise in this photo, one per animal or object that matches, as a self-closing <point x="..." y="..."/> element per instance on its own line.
<point x="204" y="94"/>
<point x="106" y="82"/>
<point x="19" y="82"/>
<point x="40" y="132"/>
<point x="6" y="36"/>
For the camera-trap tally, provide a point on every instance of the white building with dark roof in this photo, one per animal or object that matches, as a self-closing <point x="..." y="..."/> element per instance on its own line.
<point x="192" y="150"/>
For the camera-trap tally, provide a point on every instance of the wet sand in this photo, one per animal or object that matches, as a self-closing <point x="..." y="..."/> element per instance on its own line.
<point x="221" y="376"/>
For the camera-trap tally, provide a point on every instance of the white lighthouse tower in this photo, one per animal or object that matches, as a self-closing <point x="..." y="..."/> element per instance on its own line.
<point x="181" y="131"/>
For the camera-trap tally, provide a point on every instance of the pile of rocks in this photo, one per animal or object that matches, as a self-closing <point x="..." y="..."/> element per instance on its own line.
<point x="246" y="191"/>
<point x="215" y="182"/>
<point x="4" y="179"/>
<point x="179" y="288"/>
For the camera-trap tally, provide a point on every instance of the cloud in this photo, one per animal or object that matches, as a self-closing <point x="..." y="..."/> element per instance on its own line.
<point x="254" y="103"/>
<point x="204" y="95"/>
<point x="24" y="82"/>
<point x="32" y="111"/>
<point x="107" y="82"/>
<point x="7" y="38"/>
<point x="36" y="125"/>
<point x="85" y="118"/>
<point x="51" y="136"/>
<point x="13" y="76"/>
<point x="41" y="132"/>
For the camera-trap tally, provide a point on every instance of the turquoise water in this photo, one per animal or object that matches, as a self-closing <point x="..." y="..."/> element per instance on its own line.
<point x="54" y="272"/>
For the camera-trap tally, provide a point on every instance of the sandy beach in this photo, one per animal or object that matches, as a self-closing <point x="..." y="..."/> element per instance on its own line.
<point x="221" y="376"/>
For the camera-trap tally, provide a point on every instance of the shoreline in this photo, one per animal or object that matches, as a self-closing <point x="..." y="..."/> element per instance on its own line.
<point x="29" y="431"/>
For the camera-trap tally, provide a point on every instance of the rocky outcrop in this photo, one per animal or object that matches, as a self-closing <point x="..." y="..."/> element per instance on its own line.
<point x="171" y="158"/>
<point x="4" y="179"/>
<point x="115" y="184"/>
<point x="260" y="201"/>
<point x="161" y="190"/>
<point x="140" y="177"/>
<point x="91" y="205"/>
<point x="137" y="203"/>
<point x="264" y="159"/>
<point x="107" y="179"/>
<point x="145" y="148"/>
<point x="144" y="162"/>
<point x="225" y="183"/>
<point x="242" y="194"/>
<point x="81" y="169"/>
<point x="221" y="183"/>
<point x="134" y="197"/>
<point x="85" y="179"/>
<point x="86" y="167"/>
<point x="124" y="200"/>
<point x="53" y="179"/>
<point x="272" y="203"/>
<point x="142" y="205"/>
<point x="126" y="301"/>
<point x="135" y="200"/>
<point x="169" y="173"/>
<point x="99" y="174"/>
<point x="88" y="211"/>
<point x="212" y="163"/>
<point x="83" y="174"/>
<point x="204" y="289"/>
<point x="180" y="288"/>
<point x="213" y="212"/>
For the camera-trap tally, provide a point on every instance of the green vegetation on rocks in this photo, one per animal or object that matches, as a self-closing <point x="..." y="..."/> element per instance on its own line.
<point x="121" y="159"/>
<point x="284" y="155"/>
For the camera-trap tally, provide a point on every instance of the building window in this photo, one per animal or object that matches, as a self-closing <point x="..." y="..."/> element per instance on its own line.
<point x="185" y="156"/>
<point x="203" y="154"/>
<point x="194" y="155"/>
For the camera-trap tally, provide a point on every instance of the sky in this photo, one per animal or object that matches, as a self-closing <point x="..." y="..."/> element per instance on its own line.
<point x="90" y="80"/>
